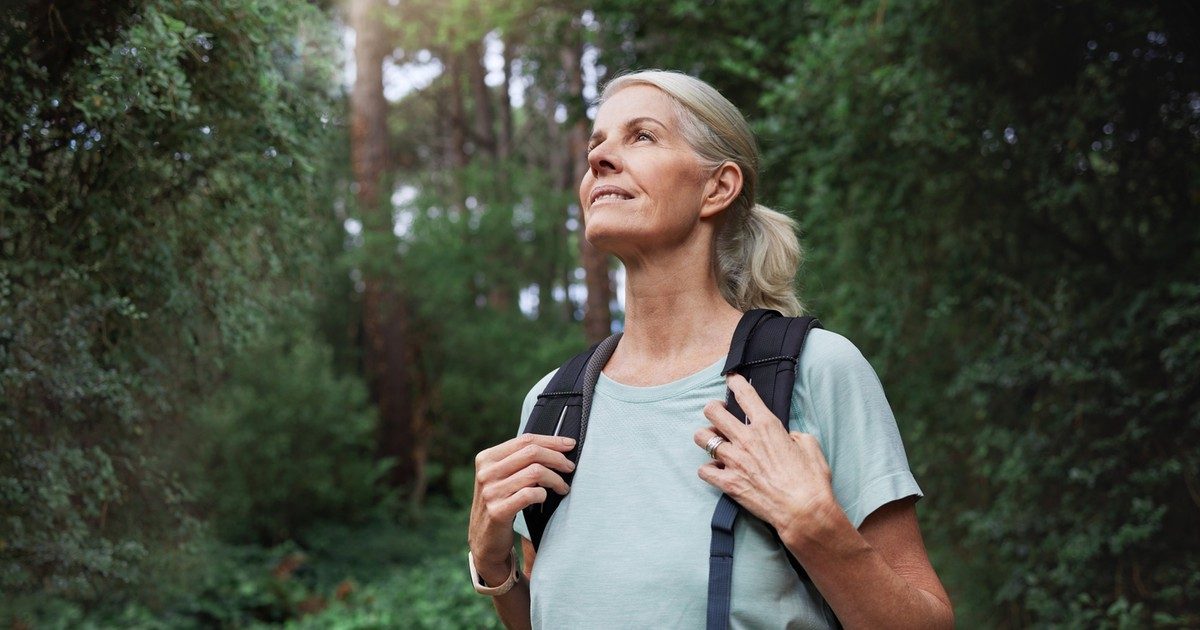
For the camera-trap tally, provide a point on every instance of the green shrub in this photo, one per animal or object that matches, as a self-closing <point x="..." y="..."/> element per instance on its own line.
<point x="431" y="595"/>
<point x="287" y="443"/>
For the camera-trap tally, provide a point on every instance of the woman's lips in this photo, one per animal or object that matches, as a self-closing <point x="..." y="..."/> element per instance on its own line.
<point x="607" y="194"/>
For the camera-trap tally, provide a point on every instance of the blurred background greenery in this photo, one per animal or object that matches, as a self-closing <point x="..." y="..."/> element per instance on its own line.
<point x="274" y="271"/>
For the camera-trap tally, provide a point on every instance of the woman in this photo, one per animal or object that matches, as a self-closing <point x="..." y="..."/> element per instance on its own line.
<point x="670" y="191"/>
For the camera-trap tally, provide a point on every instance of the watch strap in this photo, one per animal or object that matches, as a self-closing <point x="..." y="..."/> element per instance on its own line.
<point x="494" y="591"/>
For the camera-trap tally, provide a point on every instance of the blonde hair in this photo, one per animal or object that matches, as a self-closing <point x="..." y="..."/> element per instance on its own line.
<point x="757" y="250"/>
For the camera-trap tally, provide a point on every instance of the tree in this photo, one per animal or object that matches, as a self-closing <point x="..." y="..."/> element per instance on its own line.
<point x="597" y="318"/>
<point x="391" y="350"/>
<point x="156" y="167"/>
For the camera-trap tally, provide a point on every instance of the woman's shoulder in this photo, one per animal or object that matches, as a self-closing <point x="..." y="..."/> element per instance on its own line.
<point x="829" y="355"/>
<point x="531" y="397"/>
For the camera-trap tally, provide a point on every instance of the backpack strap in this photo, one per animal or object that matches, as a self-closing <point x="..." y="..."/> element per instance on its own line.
<point x="563" y="409"/>
<point x="765" y="349"/>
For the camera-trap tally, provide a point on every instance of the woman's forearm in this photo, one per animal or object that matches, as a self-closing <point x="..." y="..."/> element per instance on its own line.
<point x="513" y="606"/>
<point x="864" y="590"/>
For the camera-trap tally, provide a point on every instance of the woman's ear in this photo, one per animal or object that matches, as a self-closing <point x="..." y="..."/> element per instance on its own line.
<point x="720" y="189"/>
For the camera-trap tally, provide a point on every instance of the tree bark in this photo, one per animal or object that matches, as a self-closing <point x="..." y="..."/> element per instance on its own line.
<point x="505" y="141"/>
<point x="597" y="317"/>
<point x="458" y="113"/>
<point x="485" y="118"/>
<point x="388" y="352"/>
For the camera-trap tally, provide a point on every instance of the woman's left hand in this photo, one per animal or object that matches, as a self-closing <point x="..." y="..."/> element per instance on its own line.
<point x="780" y="477"/>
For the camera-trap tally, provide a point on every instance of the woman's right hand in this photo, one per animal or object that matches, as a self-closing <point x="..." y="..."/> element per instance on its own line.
<point x="509" y="477"/>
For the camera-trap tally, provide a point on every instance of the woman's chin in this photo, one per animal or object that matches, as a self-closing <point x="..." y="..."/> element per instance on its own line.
<point x="610" y="239"/>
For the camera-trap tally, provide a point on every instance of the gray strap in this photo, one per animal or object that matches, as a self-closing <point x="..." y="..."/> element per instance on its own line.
<point x="591" y="374"/>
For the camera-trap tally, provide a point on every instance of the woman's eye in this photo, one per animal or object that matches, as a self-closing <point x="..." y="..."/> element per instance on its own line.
<point x="642" y="135"/>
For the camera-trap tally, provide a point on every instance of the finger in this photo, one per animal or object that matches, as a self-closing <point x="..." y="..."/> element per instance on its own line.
<point x="530" y="457"/>
<point x="505" y="510"/>
<point x="724" y="421"/>
<point x="726" y="453"/>
<point x="531" y="453"/>
<point x="534" y="475"/>
<point x="715" y="475"/>
<point x="807" y="442"/>
<point x="748" y="399"/>
<point x="702" y="436"/>
<point x="810" y="446"/>
<point x="506" y="448"/>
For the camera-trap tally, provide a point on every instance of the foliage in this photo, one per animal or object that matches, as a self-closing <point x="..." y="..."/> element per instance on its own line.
<point x="287" y="443"/>
<point x="472" y="266"/>
<point x="387" y="573"/>
<point x="430" y="595"/>
<point x="157" y="170"/>
<point x="1009" y="236"/>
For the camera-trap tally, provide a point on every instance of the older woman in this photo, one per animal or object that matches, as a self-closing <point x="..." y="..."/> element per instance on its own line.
<point x="670" y="192"/>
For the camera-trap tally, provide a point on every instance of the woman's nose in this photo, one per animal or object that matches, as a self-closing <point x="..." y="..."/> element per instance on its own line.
<point x="602" y="159"/>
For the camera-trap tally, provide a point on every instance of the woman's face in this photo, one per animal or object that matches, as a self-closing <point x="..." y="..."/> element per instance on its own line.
<point x="644" y="185"/>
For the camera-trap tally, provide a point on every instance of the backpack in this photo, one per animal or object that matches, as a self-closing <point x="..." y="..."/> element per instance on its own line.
<point x="765" y="349"/>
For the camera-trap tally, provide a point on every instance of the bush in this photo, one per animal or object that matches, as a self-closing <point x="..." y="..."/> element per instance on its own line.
<point x="287" y="444"/>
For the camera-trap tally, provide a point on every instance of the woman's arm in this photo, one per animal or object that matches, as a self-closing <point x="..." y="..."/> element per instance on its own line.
<point x="875" y="576"/>
<point x="509" y="477"/>
<point x="513" y="606"/>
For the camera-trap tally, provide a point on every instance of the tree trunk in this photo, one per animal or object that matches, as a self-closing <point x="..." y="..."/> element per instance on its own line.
<point x="368" y="121"/>
<point x="388" y="352"/>
<point x="597" y="318"/>
<point x="485" y="119"/>
<point x="458" y="114"/>
<point x="505" y="141"/>
<point x="558" y="164"/>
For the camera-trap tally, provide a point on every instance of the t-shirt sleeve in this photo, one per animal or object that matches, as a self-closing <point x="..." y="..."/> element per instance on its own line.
<point x="838" y="398"/>
<point x="519" y="525"/>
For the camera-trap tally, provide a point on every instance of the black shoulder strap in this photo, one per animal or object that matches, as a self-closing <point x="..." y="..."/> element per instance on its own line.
<point x="765" y="349"/>
<point x="563" y="409"/>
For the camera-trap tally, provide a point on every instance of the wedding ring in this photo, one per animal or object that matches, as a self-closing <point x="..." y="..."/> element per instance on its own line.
<point x="713" y="443"/>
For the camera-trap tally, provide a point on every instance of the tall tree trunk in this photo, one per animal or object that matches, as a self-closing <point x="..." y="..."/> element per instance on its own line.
<point x="388" y="353"/>
<point x="558" y="164"/>
<point x="597" y="318"/>
<point x="504" y="143"/>
<point x="501" y="295"/>
<point x="458" y="114"/>
<point x="485" y="118"/>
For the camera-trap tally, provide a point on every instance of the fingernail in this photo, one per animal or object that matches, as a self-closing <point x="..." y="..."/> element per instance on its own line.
<point x="568" y="441"/>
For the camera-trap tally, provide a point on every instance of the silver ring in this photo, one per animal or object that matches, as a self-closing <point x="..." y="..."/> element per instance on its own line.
<point x="713" y="443"/>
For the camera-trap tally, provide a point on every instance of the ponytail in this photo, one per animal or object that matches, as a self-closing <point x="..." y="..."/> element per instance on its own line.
<point x="757" y="259"/>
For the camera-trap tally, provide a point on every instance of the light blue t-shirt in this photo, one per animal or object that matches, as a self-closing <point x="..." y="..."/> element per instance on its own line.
<point x="628" y="546"/>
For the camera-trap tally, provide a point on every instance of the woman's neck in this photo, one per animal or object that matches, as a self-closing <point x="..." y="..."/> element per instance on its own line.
<point x="675" y="320"/>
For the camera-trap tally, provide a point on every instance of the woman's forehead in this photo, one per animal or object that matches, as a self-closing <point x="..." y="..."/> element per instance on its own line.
<point x="633" y="102"/>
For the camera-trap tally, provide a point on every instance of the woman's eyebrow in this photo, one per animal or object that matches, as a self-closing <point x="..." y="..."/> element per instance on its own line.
<point x="643" y="119"/>
<point x="634" y="122"/>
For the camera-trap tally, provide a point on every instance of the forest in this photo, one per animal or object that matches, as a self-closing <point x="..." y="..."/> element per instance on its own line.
<point x="272" y="272"/>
